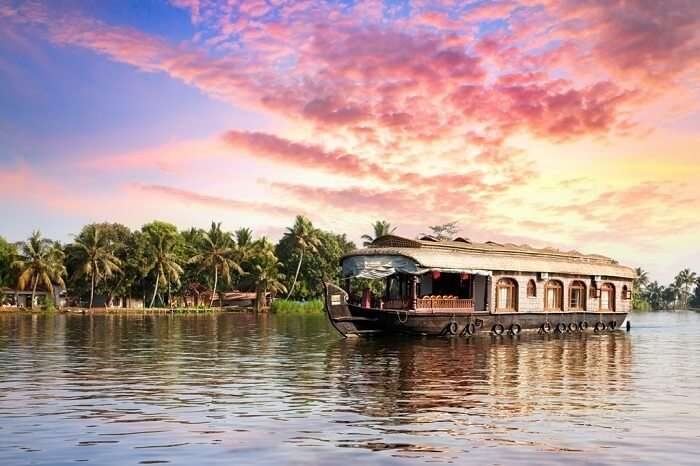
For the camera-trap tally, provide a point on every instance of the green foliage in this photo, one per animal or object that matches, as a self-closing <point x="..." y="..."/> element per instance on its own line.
<point x="380" y="228"/>
<point x="319" y="265"/>
<point x="164" y="248"/>
<point x="640" y="283"/>
<point x="682" y="293"/>
<point x="303" y="238"/>
<point x="216" y="252"/>
<point x="8" y="253"/>
<point x="40" y="263"/>
<point x="93" y="256"/>
<point x="446" y="231"/>
<point x="695" y="300"/>
<point x="47" y="305"/>
<point x="284" y="306"/>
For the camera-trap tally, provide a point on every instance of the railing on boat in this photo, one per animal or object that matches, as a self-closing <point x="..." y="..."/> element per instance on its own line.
<point x="445" y="303"/>
<point x="428" y="304"/>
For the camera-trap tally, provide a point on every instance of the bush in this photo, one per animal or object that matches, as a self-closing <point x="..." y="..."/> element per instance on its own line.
<point x="48" y="306"/>
<point x="283" y="305"/>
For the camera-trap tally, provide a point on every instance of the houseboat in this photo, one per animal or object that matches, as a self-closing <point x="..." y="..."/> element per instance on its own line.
<point x="430" y="287"/>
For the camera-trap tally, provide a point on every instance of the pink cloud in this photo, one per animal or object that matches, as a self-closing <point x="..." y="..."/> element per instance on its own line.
<point x="430" y="112"/>
<point x="490" y="11"/>
<point x="214" y="202"/>
<point x="299" y="154"/>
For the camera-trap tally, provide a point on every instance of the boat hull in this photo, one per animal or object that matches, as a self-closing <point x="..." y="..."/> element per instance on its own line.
<point x="354" y="320"/>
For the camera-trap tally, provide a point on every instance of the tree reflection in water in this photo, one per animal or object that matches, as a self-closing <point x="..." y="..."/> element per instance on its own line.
<point x="283" y="385"/>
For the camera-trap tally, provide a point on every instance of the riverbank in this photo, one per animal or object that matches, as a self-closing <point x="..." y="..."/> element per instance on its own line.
<point x="120" y="310"/>
<point x="278" y="306"/>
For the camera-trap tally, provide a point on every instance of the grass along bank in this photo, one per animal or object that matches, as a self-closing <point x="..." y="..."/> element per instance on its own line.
<point x="284" y="306"/>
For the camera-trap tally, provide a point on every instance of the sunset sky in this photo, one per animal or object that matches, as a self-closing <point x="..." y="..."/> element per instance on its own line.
<point x="572" y="124"/>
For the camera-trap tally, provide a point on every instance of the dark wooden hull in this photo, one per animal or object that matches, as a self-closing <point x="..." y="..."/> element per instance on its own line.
<point x="353" y="320"/>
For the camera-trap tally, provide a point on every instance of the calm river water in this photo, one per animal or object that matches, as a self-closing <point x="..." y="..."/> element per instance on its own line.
<point x="243" y="389"/>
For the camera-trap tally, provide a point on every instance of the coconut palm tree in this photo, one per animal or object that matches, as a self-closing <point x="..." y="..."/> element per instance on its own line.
<point x="686" y="281"/>
<point x="244" y="237"/>
<point x="162" y="260"/>
<point x="264" y="271"/>
<point x="304" y="237"/>
<point x="381" y="228"/>
<point x="696" y="296"/>
<point x="642" y="279"/>
<point x="639" y="285"/>
<point x="94" y="251"/>
<point x="244" y="244"/>
<point x="654" y="295"/>
<point x="217" y="253"/>
<point x="40" y="261"/>
<point x="675" y="291"/>
<point x="682" y="283"/>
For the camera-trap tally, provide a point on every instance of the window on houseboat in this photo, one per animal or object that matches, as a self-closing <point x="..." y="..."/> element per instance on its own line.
<point x="594" y="291"/>
<point x="577" y="296"/>
<point x="506" y="294"/>
<point x="531" y="289"/>
<point x="553" y="296"/>
<point x="626" y="293"/>
<point x="607" y="297"/>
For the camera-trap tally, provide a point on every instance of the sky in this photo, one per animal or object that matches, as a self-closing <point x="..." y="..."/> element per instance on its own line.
<point x="573" y="124"/>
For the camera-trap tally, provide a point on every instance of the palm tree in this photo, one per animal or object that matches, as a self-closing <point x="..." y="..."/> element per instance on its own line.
<point x="654" y="295"/>
<point x="264" y="271"/>
<point x="381" y="228"/>
<point x="686" y="280"/>
<point x="244" y="244"/>
<point x="639" y="285"/>
<point x="162" y="260"/>
<point x="696" y="297"/>
<point x="40" y="261"/>
<point x="642" y="279"/>
<point x="683" y="283"/>
<point x="95" y="253"/>
<point x="675" y="291"/>
<point x="217" y="252"/>
<point x="244" y="237"/>
<point x="304" y="236"/>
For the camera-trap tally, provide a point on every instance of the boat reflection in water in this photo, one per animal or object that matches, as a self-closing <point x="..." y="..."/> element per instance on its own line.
<point x="483" y="390"/>
<point x="263" y="389"/>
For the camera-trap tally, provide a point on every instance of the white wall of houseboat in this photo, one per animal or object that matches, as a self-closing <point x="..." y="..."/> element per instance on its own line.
<point x="536" y="303"/>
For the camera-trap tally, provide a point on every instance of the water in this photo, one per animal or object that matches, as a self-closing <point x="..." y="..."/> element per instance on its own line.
<point x="244" y="389"/>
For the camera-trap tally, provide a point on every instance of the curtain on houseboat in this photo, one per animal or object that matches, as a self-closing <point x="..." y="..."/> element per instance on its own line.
<point x="374" y="267"/>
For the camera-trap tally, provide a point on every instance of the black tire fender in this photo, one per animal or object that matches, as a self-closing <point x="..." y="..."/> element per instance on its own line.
<point x="599" y="327"/>
<point x="515" y="329"/>
<point x="452" y="328"/>
<point x="561" y="327"/>
<point x="573" y="327"/>
<point x="498" y="329"/>
<point x="546" y="327"/>
<point x="583" y="325"/>
<point x="470" y="329"/>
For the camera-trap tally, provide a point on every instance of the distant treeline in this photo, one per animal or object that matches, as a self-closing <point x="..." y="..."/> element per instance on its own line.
<point x="158" y="263"/>
<point x="682" y="293"/>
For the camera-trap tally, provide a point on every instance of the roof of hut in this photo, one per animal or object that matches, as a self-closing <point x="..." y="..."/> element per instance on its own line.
<point x="462" y="254"/>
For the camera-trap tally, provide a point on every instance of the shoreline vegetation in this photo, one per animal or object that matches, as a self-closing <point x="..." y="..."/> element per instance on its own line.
<point x="109" y="268"/>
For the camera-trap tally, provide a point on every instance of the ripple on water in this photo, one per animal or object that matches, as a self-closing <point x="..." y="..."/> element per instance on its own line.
<point x="278" y="389"/>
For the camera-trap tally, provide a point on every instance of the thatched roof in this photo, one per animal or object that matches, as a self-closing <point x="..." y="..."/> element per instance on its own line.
<point x="463" y="254"/>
